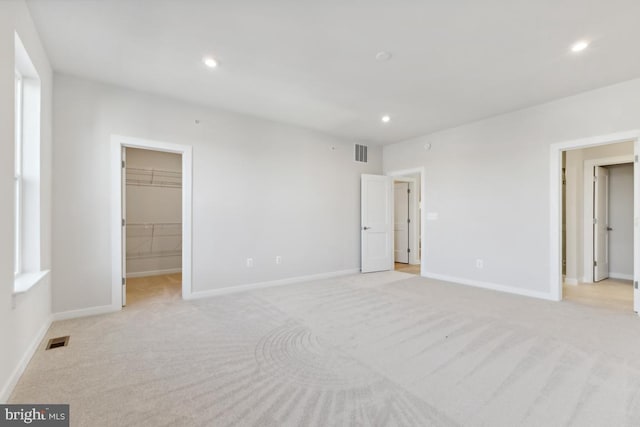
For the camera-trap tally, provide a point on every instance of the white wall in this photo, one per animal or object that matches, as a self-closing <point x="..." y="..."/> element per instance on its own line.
<point x="153" y="205"/>
<point x="489" y="183"/>
<point x="621" y="220"/>
<point x="575" y="203"/>
<point x="23" y="318"/>
<point x="260" y="189"/>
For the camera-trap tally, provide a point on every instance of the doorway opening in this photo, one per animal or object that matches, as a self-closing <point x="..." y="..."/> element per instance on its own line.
<point x="408" y="190"/>
<point x="152" y="213"/>
<point x="151" y="220"/>
<point x="406" y="223"/>
<point x="377" y="249"/>
<point x="598" y="210"/>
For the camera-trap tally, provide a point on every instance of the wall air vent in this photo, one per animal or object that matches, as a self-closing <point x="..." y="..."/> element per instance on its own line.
<point x="361" y="153"/>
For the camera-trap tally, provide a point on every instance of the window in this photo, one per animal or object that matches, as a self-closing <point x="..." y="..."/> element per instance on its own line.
<point x="27" y="268"/>
<point x="17" y="267"/>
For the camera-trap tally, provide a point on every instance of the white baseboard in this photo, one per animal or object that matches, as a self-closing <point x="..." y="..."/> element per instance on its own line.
<point x="22" y="365"/>
<point x="83" y="312"/>
<point x="621" y="276"/>
<point x="488" y="285"/>
<point x="260" y="285"/>
<point x="154" y="272"/>
<point x="570" y="281"/>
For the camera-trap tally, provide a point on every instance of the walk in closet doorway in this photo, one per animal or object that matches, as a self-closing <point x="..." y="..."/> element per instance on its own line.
<point x="152" y="207"/>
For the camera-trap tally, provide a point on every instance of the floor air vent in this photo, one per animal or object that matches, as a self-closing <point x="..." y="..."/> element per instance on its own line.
<point x="57" y="342"/>
<point x="361" y="153"/>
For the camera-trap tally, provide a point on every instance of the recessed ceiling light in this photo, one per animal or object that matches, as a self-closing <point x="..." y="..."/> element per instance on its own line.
<point x="210" y="62"/>
<point x="385" y="118"/>
<point x="383" y="56"/>
<point x="579" y="46"/>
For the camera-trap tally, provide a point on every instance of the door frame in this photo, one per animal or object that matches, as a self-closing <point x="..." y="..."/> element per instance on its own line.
<point x="118" y="142"/>
<point x="413" y="215"/>
<point x="420" y="207"/>
<point x="587" y="221"/>
<point x="555" y="202"/>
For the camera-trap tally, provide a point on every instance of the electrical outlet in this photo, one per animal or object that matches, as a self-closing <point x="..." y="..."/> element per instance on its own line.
<point x="479" y="263"/>
<point x="249" y="262"/>
<point x="278" y="259"/>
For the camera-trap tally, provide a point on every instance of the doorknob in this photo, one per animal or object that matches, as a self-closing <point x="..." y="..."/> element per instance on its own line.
<point x="609" y="229"/>
<point x="366" y="228"/>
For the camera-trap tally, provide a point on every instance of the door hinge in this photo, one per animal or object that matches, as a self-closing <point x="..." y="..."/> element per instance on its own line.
<point x="595" y="179"/>
<point x="124" y="222"/>
<point x="124" y="281"/>
<point x="408" y="250"/>
<point x="123" y="164"/>
<point x="408" y="191"/>
<point x="595" y="220"/>
<point x="636" y="158"/>
<point x="595" y="263"/>
<point x="635" y="284"/>
<point x="408" y="220"/>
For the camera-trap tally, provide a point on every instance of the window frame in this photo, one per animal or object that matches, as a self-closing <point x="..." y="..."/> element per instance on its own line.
<point x="27" y="173"/>
<point x="18" y="172"/>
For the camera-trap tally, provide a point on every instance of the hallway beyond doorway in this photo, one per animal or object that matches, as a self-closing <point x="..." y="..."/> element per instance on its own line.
<point x="407" y="268"/>
<point x="613" y="294"/>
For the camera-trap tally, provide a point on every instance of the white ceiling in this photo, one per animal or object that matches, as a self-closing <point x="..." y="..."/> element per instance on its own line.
<point x="312" y="63"/>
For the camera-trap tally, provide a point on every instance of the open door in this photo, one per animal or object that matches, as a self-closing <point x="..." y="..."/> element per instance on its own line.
<point x="636" y="229"/>
<point x="600" y="224"/>
<point x="123" y="181"/>
<point x="376" y="223"/>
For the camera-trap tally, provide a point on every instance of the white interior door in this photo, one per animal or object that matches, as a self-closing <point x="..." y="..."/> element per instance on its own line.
<point x="401" y="221"/>
<point x="636" y="240"/>
<point x="601" y="224"/>
<point x="123" y="181"/>
<point x="376" y="223"/>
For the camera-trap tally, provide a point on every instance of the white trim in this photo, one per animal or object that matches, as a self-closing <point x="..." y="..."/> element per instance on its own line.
<point x="25" y="281"/>
<point x="117" y="142"/>
<point x="587" y="198"/>
<point x="84" y="312"/>
<point x="555" y="201"/>
<point x="488" y="285"/>
<point x="595" y="141"/>
<point x="22" y="365"/>
<point x="636" y="226"/>
<point x="620" y="276"/>
<point x="153" y="273"/>
<point x="423" y="212"/>
<point x="271" y="283"/>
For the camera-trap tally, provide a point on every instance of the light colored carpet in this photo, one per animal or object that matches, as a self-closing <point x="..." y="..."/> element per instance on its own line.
<point x="376" y="349"/>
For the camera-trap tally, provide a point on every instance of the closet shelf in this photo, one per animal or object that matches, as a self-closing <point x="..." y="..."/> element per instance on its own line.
<point x="151" y="229"/>
<point x="142" y="255"/>
<point x="153" y="178"/>
<point x="154" y="240"/>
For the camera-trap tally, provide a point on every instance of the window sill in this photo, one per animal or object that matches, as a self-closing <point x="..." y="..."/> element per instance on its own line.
<point x="26" y="281"/>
